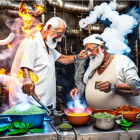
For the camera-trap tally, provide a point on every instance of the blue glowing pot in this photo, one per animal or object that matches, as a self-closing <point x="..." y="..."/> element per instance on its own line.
<point x="36" y="119"/>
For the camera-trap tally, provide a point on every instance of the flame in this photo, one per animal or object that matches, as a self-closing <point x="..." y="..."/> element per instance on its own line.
<point x="20" y="74"/>
<point x="27" y="17"/>
<point x="39" y="27"/>
<point x="34" y="77"/>
<point x="39" y="9"/>
<point x="9" y="46"/>
<point x="2" y="71"/>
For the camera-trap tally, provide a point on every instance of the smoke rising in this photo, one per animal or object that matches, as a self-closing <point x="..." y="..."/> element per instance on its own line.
<point x="77" y="103"/>
<point x="116" y="33"/>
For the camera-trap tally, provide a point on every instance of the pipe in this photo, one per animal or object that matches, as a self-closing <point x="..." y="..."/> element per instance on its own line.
<point x="96" y="28"/>
<point x="122" y="5"/>
<point x="7" y="4"/>
<point x="71" y="6"/>
<point x="8" y="39"/>
<point x="12" y="13"/>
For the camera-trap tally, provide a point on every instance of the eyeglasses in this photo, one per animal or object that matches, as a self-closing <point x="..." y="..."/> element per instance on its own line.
<point x="59" y="34"/>
<point x="91" y="50"/>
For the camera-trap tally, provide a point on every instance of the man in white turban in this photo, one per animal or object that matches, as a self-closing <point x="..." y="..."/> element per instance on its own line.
<point x="117" y="73"/>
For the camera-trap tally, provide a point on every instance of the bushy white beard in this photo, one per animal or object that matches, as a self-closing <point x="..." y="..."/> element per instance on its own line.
<point x="51" y="44"/>
<point x="96" y="62"/>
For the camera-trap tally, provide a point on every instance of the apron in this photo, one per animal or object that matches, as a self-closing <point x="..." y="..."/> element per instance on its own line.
<point x="101" y="100"/>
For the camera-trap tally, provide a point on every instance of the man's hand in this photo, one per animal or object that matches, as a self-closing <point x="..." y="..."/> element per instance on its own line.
<point x="82" y="54"/>
<point x="28" y="88"/>
<point x="74" y="92"/>
<point x="104" y="86"/>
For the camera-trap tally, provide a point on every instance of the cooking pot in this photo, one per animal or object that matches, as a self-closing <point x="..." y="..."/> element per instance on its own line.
<point x="78" y="120"/>
<point x="36" y="119"/>
<point x="106" y="124"/>
<point x="130" y="117"/>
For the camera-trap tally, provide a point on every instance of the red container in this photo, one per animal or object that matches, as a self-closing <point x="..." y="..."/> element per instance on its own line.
<point x="78" y="120"/>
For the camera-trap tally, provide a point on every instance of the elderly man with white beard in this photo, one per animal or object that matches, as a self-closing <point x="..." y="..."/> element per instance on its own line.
<point x="37" y="54"/>
<point x="117" y="73"/>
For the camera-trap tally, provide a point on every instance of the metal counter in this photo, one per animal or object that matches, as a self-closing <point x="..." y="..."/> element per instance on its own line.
<point x="89" y="132"/>
<point x="85" y="132"/>
<point x="48" y="133"/>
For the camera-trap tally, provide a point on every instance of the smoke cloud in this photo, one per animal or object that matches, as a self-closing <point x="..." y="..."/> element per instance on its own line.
<point x="116" y="33"/>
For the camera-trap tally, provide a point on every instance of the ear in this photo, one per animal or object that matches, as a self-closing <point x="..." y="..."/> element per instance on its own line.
<point x="102" y="48"/>
<point x="49" y="26"/>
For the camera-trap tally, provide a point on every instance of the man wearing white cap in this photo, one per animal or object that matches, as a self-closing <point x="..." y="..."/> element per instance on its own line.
<point x="117" y="73"/>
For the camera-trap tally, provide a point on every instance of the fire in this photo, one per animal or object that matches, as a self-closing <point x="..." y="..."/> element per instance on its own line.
<point x="39" y="27"/>
<point x="34" y="77"/>
<point x="2" y="71"/>
<point x="20" y="74"/>
<point x="24" y="14"/>
<point x="39" y="9"/>
<point x="27" y="17"/>
<point x="9" y="46"/>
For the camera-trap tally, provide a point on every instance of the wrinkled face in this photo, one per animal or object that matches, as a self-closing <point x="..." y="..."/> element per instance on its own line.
<point x="92" y="49"/>
<point x="56" y="34"/>
<point x="96" y="55"/>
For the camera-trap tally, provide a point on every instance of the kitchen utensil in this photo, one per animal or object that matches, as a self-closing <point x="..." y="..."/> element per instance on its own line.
<point x="48" y="111"/>
<point x="106" y="124"/>
<point x="58" y="119"/>
<point x="36" y="119"/>
<point x="78" y="120"/>
<point x="131" y="117"/>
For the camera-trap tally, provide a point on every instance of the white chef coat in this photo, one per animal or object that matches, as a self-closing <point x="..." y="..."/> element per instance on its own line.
<point x="125" y="70"/>
<point x="32" y="54"/>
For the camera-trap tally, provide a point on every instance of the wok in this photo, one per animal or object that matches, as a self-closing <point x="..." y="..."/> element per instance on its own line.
<point x="130" y="117"/>
<point x="78" y="120"/>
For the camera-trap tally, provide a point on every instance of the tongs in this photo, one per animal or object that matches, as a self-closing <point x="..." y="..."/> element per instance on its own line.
<point x="48" y="111"/>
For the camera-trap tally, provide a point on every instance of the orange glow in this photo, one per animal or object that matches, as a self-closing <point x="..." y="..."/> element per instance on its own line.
<point x="20" y="74"/>
<point x="39" y="9"/>
<point x="39" y="27"/>
<point x="9" y="46"/>
<point x="27" y="17"/>
<point x="34" y="77"/>
<point x="2" y="71"/>
<point x="24" y="14"/>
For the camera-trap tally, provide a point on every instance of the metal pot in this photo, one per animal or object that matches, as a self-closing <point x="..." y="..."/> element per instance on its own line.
<point x="81" y="120"/>
<point x="106" y="124"/>
<point x="130" y="117"/>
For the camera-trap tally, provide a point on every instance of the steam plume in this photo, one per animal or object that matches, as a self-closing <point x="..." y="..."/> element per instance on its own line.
<point x="120" y="27"/>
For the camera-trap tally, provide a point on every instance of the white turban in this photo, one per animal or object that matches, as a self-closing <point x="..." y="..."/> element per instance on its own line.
<point x="92" y="39"/>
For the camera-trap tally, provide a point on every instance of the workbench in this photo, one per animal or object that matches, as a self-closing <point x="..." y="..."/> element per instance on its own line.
<point x="85" y="132"/>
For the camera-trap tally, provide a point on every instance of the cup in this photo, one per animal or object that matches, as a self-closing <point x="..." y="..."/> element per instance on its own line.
<point x="96" y="83"/>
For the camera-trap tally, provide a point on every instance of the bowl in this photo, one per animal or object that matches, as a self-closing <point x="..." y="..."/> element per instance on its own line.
<point x="129" y="117"/>
<point x="78" y="120"/>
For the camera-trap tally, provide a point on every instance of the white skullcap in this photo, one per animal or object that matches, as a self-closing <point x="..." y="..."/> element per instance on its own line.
<point x="92" y="39"/>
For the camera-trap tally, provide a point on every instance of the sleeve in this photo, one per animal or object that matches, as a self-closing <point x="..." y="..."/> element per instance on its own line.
<point x="29" y="55"/>
<point x="127" y="70"/>
<point x="56" y="54"/>
<point x="85" y="77"/>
